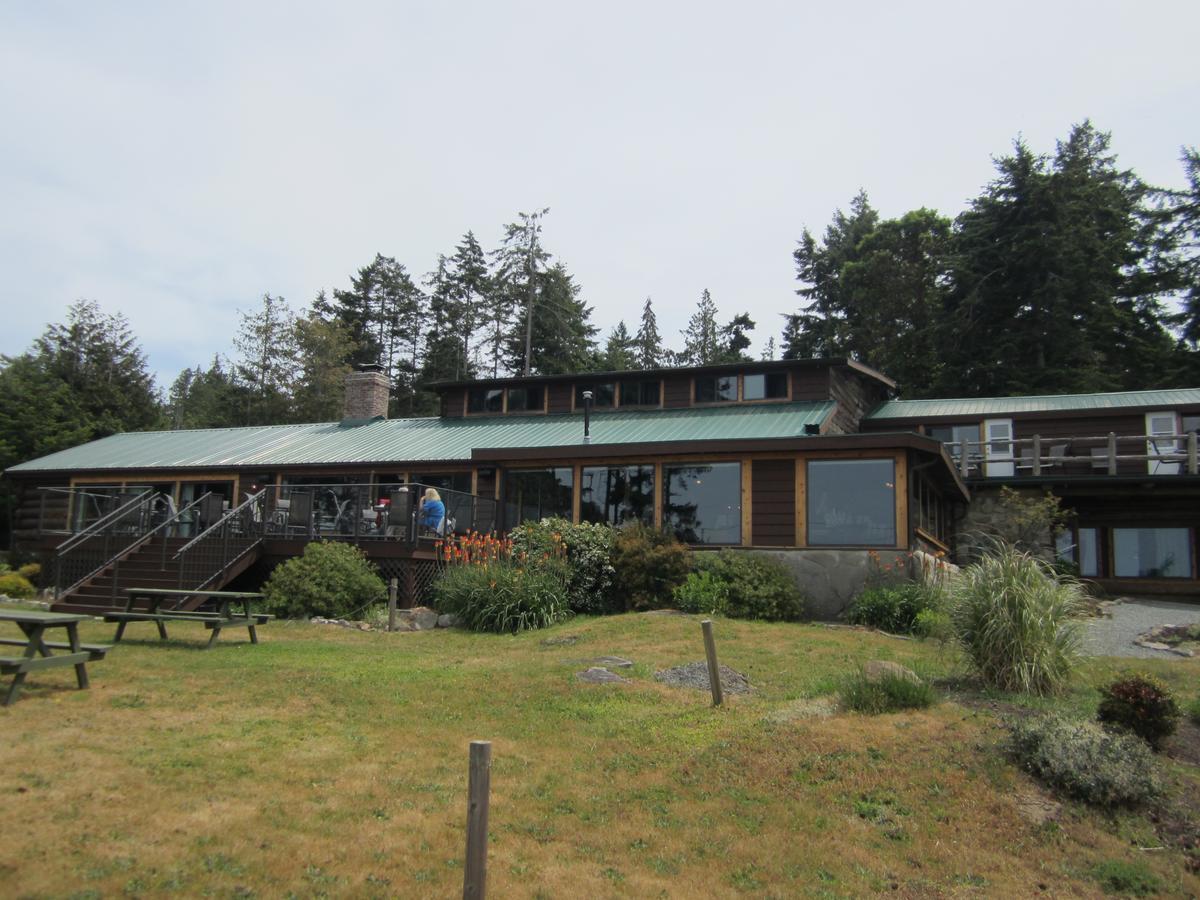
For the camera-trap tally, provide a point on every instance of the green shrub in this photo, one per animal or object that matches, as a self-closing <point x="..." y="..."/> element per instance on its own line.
<point x="1141" y="704"/>
<point x="703" y="592"/>
<point x="893" y="608"/>
<point x="16" y="586"/>
<point x="648" y="564"/>
<point x="758" y="586"/>
<point x="1193" y="711"/>
<point x="934" y="624"/>
<point x="330" y="579"/>
<point x="1018" y="623"/>
<point x="1130" y="879"/>
<point x="888" y="693"/>
<point x="589" y="550"/>
<point x="31" y="571"/>
<point x="1082" y="760"/>
<point x="503" y="596"/>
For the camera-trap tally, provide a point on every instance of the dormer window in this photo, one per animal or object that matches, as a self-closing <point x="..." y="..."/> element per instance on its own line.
<point x="485" y="400"/>
<point x="530" y="398"/>
<point x="765" y="386"/>
<point x="604" y="394"/>
<point x="716" y="388"/>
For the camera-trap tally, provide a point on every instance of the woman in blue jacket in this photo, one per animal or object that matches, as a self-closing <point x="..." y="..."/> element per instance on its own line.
<point x="433" y="510"/>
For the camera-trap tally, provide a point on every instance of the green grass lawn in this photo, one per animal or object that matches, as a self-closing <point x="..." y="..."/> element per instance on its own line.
<point x="332" y="762"/>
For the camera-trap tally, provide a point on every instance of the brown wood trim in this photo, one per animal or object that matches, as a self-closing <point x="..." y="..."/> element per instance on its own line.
<point x="930" y="539"/>
<point x="576" y="492"/>
<point x="747" y="482"/>
<point x="901" y="491"/>
<point x="801" y="502"/>
<point x="658" y="495"/>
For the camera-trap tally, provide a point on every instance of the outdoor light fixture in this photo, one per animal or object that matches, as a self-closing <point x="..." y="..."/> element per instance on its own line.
<point x="587" y="416"/>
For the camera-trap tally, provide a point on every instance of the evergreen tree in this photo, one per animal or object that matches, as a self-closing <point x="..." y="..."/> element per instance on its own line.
<point x="701" y="343"/>
<point x="207" y="398"/>
<point x="83" y="379"/>
<point x="619" y="350"/>
<point x="468" y="290"/>
<point x="323" y="345"/>
<point x="768" y="353"/>
<point x="518" y="263"/>
<point x="562" y="337"/>
<point x="647" y="343"/>
<point x="266" y="363"/>
<point x="734" y="339"/>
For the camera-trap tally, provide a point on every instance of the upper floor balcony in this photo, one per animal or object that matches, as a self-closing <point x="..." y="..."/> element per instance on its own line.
<point x="1083" y="456"/>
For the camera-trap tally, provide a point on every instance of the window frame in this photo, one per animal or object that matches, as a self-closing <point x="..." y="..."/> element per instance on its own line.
<point x="641" y="383"/>
<point x="737" y="389"/>
<point x="809" y="518"/>
<point x="665" y="493"/>
<point x="766" y="376"/>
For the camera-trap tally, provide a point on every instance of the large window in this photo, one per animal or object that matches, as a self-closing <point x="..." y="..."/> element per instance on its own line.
<point x="537" y="494"/>
<point x="1081" y="547"/>
<point x="616" y="494"/>
<point x="526" y="399"/>
<point x="703" y="504"/>
<point x="640" y="392"/>
<point x="852" y="502"/>
<point x="957" y="437"/>
<point x="1152" y="553"/>
<point x="716" y="388"/>
<point x="604" y="394"/>
<point x="765" y="386"/>
<point x="485" y="400"/>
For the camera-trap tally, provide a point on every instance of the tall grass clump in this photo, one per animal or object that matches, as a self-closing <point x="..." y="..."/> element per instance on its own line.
<point x="885" y="694"/>
<point x="1017" y="621"/>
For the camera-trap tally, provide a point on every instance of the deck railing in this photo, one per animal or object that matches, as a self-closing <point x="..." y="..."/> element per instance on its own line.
<point x="210" y="554"/>
<point x="86" y="552"/>
<point x="1109" y="454"/>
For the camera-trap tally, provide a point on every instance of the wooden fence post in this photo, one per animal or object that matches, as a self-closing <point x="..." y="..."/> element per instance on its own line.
<point x="393" y="591"/>
<point x="714" y="671"/>
<point x="478" y="789"/>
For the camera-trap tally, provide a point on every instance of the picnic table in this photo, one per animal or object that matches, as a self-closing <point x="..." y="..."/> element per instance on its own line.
<point x="153" y="611"/>
<point x="33" y="625"/>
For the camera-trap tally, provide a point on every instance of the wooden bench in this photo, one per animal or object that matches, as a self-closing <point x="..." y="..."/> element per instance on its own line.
<point x="95" y="651"/>
<point x="213" y="621"/>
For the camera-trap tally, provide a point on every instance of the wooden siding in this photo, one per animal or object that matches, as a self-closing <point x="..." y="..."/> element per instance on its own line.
<point x="773" y="502"/>
<point x="810" y="384"/>
<point x="454" y="403"/>
<point x="854" y="398"/>
<point x="558" y="398"/>
<point x="677" y="392"/>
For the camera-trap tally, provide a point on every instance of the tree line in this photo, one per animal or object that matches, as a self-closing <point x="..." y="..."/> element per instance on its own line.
<point x="1067" y="273"/>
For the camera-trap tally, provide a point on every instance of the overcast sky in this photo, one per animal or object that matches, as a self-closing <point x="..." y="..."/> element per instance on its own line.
<point x="175" y="161"/>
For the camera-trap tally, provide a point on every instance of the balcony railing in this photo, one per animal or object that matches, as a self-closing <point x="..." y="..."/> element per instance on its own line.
<point x="1102" y="455"/>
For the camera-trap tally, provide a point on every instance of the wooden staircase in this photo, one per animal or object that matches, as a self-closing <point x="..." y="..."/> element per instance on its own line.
<point x="145" y="566"/>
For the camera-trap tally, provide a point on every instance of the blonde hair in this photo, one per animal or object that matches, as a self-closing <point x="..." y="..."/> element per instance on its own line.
<point x="431" y="494"/>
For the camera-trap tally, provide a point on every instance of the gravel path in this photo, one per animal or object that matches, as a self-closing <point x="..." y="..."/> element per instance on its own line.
<point x="1130" y="617"/>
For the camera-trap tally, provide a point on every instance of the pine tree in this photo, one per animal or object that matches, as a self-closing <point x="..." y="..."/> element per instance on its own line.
<point x="701" y="344"/>
<point x="323" y="346"/>
<point x="266" y="362"/>
<point x="647" y="343"/>
<point x="733" y="339"/>
<point x="619" y="350"/>
<point x="768" y="353"/>
<point x="207" y="398"/>
<point x="562" y="339"/>
<point x="518" y="263"/>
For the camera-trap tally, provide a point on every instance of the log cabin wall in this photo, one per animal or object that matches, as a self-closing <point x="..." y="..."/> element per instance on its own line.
<point x="677" y="391"/>
<point x="810" y="384"/>
<point x="559" y="397"/>
<point x="454" y="403"/>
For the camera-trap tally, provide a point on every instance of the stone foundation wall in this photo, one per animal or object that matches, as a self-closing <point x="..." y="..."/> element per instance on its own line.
<point x="830" y="579"/>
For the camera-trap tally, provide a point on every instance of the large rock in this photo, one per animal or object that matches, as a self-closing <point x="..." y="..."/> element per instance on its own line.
<point x="599" y="675"/>
<point x="879" y="669"/>
<point x="447" y="620"/>
<point x="419" y="618"/>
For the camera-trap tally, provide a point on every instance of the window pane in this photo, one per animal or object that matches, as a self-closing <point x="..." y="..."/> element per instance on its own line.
<point x="714" y="388"/>
<point x="703" y="504"/>
<point x="603" y="394"/>
<point x="537" y="494"/>
<point x="764" y="386"/>
<point x="639" y="393"/>
<point x="525" y="399"/>
<point x="1089" y="552"/>
<point x="1152" y="553"/>
<point x="485" y="400"/>
<point x="852" y="502"/>
<point x="616" y="494"/>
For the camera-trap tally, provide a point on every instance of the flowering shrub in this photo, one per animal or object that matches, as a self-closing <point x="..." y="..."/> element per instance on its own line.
<point x="490" y="585"/>
<point x="1141" y="704"/>
<point x="588" y="550"/>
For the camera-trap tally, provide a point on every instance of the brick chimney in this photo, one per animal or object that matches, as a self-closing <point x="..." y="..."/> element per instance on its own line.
<point x="366" y="393"/>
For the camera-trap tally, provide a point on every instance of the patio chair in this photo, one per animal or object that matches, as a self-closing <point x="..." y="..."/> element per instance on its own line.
<point x="299" y="513"/>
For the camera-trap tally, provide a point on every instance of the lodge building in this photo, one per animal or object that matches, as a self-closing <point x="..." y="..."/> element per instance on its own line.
<point x="810" y="460"/>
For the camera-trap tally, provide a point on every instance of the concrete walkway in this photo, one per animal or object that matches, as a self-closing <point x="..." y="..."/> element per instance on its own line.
<point x="1132" y="616"/>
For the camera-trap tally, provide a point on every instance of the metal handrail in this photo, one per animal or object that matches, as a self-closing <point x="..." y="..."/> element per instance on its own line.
<point x="104" y="521"/>
<point x="229" y="514"/>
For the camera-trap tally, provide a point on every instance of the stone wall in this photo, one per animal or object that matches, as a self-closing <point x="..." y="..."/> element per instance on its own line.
<point x="830" y="579"/>
<point x="366" y="395"/>
<point x="987" y="515"/>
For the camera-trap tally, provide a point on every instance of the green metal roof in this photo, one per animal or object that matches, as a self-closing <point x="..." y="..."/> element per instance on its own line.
<point x="422" y="440"/>
<point x="997" y="406"/>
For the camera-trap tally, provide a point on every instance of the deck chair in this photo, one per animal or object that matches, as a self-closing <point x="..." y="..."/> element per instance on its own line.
<point x="212" y="508"/>
<point x="299" y="514"/>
